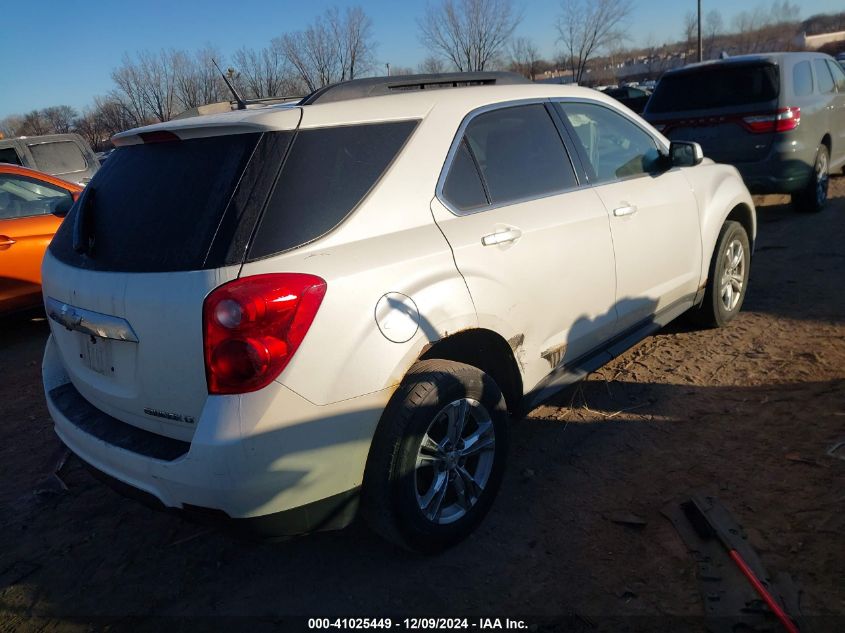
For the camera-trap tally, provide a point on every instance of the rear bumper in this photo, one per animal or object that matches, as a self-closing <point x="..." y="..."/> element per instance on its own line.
<point x="270" y="461"/>
<point x="787" y="169"/>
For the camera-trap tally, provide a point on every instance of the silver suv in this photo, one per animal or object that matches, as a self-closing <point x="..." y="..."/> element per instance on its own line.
<point x="779" y="118"/>
<point x="66" y="156"/>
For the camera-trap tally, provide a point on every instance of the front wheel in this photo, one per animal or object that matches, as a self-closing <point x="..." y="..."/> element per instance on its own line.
<point x="814" y="196"/>
<point x="727" y="280"/>
<point x="437" y="458"/>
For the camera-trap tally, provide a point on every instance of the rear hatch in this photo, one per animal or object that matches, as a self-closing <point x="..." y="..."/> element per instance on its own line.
<point x="167" y="219"/>
<point x="726" y="107"/>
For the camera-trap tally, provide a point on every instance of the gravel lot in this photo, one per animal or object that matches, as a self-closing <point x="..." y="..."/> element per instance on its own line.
<point x="746" y="413"/>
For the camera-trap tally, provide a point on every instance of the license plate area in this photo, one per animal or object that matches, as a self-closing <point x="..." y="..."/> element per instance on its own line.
<point x="96" y="354"/>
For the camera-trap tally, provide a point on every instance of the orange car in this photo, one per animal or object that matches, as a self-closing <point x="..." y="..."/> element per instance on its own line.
<point x="32" y="205"/>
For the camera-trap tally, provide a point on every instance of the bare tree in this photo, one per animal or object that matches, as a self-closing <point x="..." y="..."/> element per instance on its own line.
<point x="586" y="27"/>
<point x="197" y="81"/>
<point x="149" y="84"/>
<point x="655" y="60"/>
<point x="129" y="83"/>
<point x="431" y="65"/>
<point x="265" y="73"/>
<point x="11" y="125"/>
<point x="765" y="29"/>
<point x="471" y="34"/>
<point x="524" y="58"/>
<point x="713" y="27"/>
<point x="353" y="37"/>
<point x="35" y="124"/>
<point x="333" y="48"/>
<point x="690" y="31"/>
<point x="396" y="71"/>
<point x="60" y="118"/>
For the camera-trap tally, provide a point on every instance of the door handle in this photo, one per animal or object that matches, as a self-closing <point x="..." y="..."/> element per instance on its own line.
<point x="501" y="237"/>
<point x="6" y="242"/>
<point x="627" y="210"/>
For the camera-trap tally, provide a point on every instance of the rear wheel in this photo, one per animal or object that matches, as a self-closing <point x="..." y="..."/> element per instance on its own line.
<point x="814" y="196"/>
<point x="727" y="279"/>
<point x="437" y="458"/>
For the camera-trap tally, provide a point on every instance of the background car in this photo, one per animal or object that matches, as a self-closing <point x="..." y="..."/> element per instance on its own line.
<point x="631" y="96"/>
<point x="32" y="205"/>
<point x="67" y="156"/>
<point x="103" y="156"/>
<point x="779" y="118"/>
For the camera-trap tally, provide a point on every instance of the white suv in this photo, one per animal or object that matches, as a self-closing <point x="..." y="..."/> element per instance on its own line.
<point x="273" y="314"/>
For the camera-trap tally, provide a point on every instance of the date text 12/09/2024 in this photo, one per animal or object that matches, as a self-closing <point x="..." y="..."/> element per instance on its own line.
<point x="414" y="624"/>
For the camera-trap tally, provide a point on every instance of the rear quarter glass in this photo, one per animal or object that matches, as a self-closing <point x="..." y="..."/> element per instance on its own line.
<point x="327" y="173"/>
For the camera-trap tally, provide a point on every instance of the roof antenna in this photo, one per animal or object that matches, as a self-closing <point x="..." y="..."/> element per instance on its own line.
<point x="238" y="98"/>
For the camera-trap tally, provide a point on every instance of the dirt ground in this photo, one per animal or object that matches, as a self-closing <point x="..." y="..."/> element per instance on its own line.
<point x="746" y="413"/>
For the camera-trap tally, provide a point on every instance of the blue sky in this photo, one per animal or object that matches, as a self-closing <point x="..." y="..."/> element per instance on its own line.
<point x="62" y="51"/>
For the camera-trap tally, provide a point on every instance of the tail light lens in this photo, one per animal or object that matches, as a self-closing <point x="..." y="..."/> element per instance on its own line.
<point x="781" y="120"/>
<point x="253" y="326"/>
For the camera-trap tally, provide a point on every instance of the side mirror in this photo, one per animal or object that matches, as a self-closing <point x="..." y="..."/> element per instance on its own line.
<point x="63" y="206"/>
<point x="685" y="154"/>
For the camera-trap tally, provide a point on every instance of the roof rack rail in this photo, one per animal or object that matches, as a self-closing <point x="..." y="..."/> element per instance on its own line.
<point x="378" y="86"/>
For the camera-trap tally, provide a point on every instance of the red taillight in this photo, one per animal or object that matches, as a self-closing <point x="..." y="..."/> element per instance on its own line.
<point x="253" y="326"/>
<point x="781" y="120"/>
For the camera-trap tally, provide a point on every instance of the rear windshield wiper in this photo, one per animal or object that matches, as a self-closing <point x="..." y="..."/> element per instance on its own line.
<point x="83" y="227"/>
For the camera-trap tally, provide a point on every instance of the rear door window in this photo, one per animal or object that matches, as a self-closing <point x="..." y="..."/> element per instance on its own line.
<point x="62" y="157"/>
<point x="156" y="207"/>
<point x="463" y="188"/>
<point x="719" y="86"/>
<point x="615" y="147"/>
<point x="327" y="172"/>
<point x="823" y="76"/>
<point x="520" y="153"/>
<point x="802" y="79"/>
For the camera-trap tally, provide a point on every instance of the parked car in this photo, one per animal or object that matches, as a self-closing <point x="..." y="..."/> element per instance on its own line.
<point x="67" y="156"/>
<point x="630" y="96"/>
<point x="32" y="205"/>
<point x="340" y="301"/>
<point x="103" y="156"/>
<point x="778" y="117"/>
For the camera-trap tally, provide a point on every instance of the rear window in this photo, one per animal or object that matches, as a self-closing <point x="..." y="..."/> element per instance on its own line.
<point x="62" y="157"/>
<point x="718" y="86"/>
<point x="195" y="204"/>
<point x="156" y="206"/>
<point x="9" y="155"/>
<point x="327" y="173"/>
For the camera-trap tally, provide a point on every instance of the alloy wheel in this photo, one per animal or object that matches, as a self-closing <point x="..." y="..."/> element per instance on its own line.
<point x="454" y="461"/>
<point x="733" y="277"/>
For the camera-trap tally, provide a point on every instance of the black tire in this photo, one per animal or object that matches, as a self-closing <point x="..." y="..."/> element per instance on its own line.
<point x="713" y="311"/>
<point x="814" y="196"/>
<point x="390" y="499"/>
